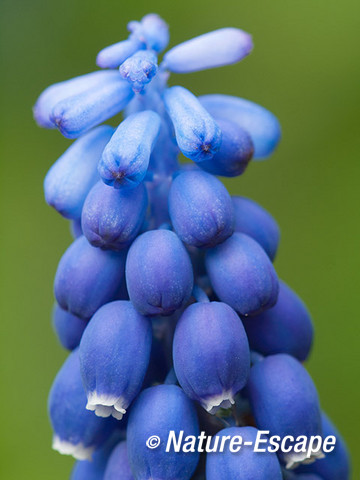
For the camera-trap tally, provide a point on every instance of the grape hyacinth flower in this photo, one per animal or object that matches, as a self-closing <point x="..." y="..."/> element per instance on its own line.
<point x="169" y="280"/>
<point x="211" y="354"/>
<point x="114" y="356"/>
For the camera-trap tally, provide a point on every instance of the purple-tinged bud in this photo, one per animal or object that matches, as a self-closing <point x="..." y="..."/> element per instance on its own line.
<point x="151" y="30"/>
<point x="77" y="432"/>
<point x="159" y="274"/>
<point x="79" y="113"/>
<point x="68" y="328"/>
<point x="111" y="218"/>
<point x="139" y="69"/>
<point x="336" y="464"/>
<point x="214" y="49"/>
<point x="114" y="356"/>
<point x="197" y="134"/>
<point x="284" y="328"/>
<point x="71" y="177"/>
<point x="211" y="354"/>
<point x="279" y="384"/>
<point x="62" y="90"/>
<point x="244" y="464"/>
<point x="236" y="151"/>
<point x="114" y="55"/>
<point x="126" y="158"/>
<point x="157" y="411"/>
<point x="255" y="221"/>
<point x="262" y="125"/>
<point x="242" y="275"/>
<point x="87" y="278"/>
<point x="118" y="466"/>
<point x="200" y="209"/>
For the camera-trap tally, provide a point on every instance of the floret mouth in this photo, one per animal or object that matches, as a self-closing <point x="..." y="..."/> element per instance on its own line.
<point x="294" y="459"/>
<point x="213" y="404"/>
<point x="106" y="406"/>
<point x="78" y="450"/>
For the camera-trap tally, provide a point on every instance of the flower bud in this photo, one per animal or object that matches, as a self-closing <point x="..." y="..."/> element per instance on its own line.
<point x="244" y="464"/>
<point x="68" y="328"/>
<point x="284" y="328"/>
<point x="139" y="69"/>
<point x="79" y="113"/>
<point x="242" y="275"/>
<point x="151" y="30"/>
<point x="262" y="125"/>
<point x="87" y="278"/>
<point x="279" y="384"/>
<point x="214" y="49"/>
<point x="197" y="134"/>
<point x="336" y="464"/>
<point x="77" y="432"/>
<point x="118" y="466"/>
<point x="255" y="221"/>
<point x="211" y="354"/>
<point x="114" y="356"/>
<point x="157" y="411"/>
<point x="71" y="177"/>
<point x="62" y="90"/>
<point x="126" y="158"/>
<point x="114" y="55"/>
<point x="111" y="218"/>
<point x="159" y="274"/>
<point x="236" y="151"/>
<point x="200" y="209"/>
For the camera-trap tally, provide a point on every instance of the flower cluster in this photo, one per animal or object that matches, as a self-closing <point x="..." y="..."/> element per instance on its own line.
<point x="168" y="298"/>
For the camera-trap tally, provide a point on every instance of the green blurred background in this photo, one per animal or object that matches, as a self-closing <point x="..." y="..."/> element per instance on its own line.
<point x="305" y="68"/>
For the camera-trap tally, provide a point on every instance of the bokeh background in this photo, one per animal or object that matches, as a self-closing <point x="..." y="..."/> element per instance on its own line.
<point x="305" y="68"/>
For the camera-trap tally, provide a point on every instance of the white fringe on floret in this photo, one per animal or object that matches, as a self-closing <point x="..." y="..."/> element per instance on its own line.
<point x="106" y="405"/>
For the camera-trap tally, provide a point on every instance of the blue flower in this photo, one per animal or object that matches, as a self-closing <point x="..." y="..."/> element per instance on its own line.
<point x="114" y="356"/>
<point x="77" y="432"/>
<point x="211" y="354"/>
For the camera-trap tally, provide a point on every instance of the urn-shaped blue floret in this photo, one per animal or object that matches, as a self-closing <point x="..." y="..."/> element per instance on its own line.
<point x="62" y="90"/>
<point x="279" y="384"/>
<point x="336" y="464"/>
<point x="126" y="157"/>
<point x="211" y="354"/>
<point x="68" y="328"/>
<point x="244" y="464"/>
<point x="139" y="69"/>
<point x="114" y="356"/>
<point x="114" y="55"/>
<point x="87" y="278"/>
<point x="197" y="134"/>
<point x="213" y="49"/>
<point x="118" y="466"/>
<point x="79" y="113"/>
<point x="77" y="432"/>
<point x="71" y="177"/>
<point x="159" y="274"/>
<point x="236" y="151"/>
<point x="262" y="125"/>
<point x="200" y="209"/>
<point x="157" y="411"/>
<point x="252" y="219"/>
<point x="242" y="275"/>
<point x="284" y="328"/>
<point x="111" y="218"/>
